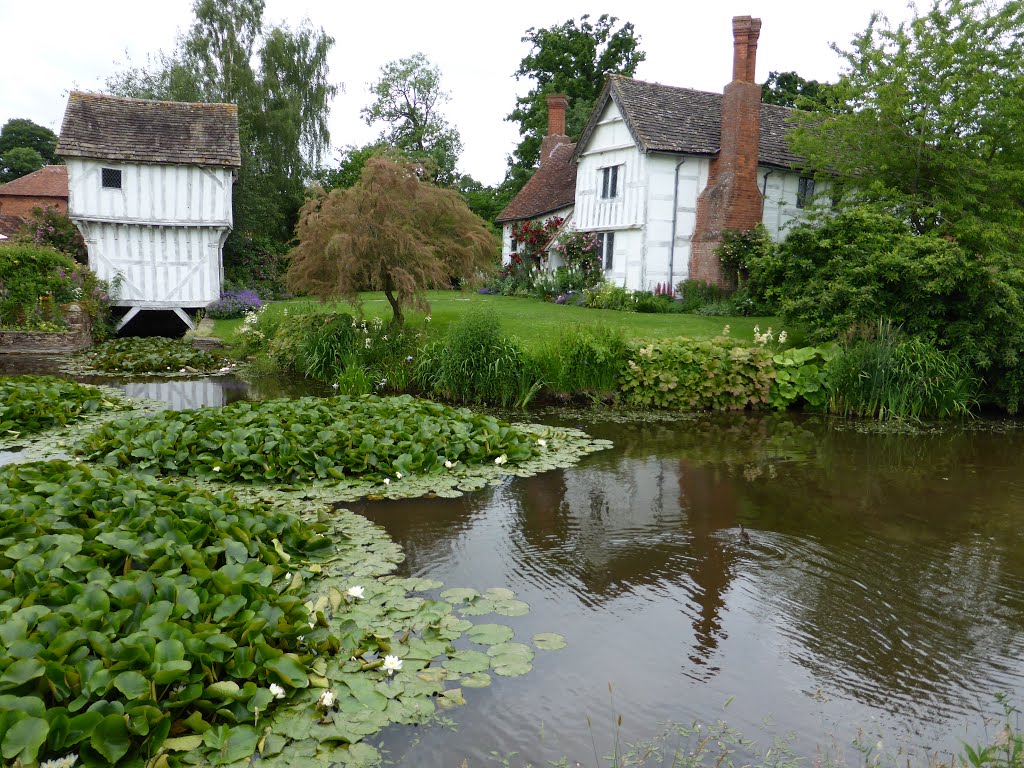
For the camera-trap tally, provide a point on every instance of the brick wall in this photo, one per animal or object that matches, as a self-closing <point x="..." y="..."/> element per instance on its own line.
<point x="22" y="205"/>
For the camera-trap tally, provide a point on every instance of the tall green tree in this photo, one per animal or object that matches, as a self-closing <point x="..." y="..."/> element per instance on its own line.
<point x="788" y="89"/>
<point x="572" y="58"/>
<point x="278" y="77"/>
<point x="17" y="162"/>
<point x="929" y="122"/>
<point x="407" y="99"/>
<point x="393" y="232"/>
<point x="21" y="132"/>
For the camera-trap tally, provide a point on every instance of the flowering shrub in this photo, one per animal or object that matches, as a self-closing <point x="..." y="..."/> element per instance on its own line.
<point x="34" y="282"/>
<point x="581" y="253"/>
<point x="234" y="304"/>
<point x="49" y="227"/>
<point x="533" y="238"/>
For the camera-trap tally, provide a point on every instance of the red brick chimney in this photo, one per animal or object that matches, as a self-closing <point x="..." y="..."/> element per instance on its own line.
<point x="557" y="104"/>
<point x="732" y="198"/>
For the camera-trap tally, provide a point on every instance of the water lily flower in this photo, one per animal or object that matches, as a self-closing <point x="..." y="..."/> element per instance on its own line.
<point x="326" y="700"/>
<point x="387" y="481"/>
<point x="448" y="464"/>
<point x="392" y="664"/>
<point x="356" y="592"/>
<point x="398" y="475"/>
<point x="542" y="443"/>
<point x="277" y="691"/>
<point x="501" y="459"/>
<point x="217" y="468"/>
<point x="61" y="762"/>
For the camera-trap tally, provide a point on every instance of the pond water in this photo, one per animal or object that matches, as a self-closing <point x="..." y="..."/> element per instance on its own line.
<point x="880" y="593"/>
<point x="881" y="590"/>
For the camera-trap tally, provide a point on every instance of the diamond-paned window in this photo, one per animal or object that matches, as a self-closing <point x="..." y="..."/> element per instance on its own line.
<point x="111" y="178"/>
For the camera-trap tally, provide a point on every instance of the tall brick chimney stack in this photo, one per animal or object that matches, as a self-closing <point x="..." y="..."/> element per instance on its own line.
<point x="557" y="104"/>
<point x="732" y="199"/>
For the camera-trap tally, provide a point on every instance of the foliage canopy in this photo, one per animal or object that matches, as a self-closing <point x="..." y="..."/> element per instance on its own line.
<point x="407" y="98"/>
<point x="929" y="120"/>
<point x="573" y="59"/>
<point x="25" y="147"/>
<point x="391" y="232"/>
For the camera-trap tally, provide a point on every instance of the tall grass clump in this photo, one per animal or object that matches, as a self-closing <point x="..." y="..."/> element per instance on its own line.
<point x="475" y="363"/>
<point x="891" y="376"/>
<point x="584" y="358"/>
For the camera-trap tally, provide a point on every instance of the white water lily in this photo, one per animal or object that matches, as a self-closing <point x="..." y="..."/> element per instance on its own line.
<point x="277" y="691"/>
<point x="216" y="469"/>
<point x="448" y="464"/>
<point x="398" y="475"/>
<point x="356" y="592"/>
<point x="542" y="443"/>
<point x="387" y="481"/>
<point x="392" y="664"/>
<point x="501" y="459"/>
<point x="60" y="762"/>
<point x="326" y="700"/>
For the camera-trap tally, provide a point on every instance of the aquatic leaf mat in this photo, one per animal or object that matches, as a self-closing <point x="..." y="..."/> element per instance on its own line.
<point x="444" y="655"/>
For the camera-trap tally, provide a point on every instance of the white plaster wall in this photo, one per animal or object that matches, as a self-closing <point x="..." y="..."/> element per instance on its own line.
<point x="506" y="231"/>
<point x="160" y="266"/>
<point x="150" y="194"/>
<point x="611" y="144"/>
<point x="780" y="194"/>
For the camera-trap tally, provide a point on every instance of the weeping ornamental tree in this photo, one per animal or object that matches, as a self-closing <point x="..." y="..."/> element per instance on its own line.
<point x="391" y="232"/>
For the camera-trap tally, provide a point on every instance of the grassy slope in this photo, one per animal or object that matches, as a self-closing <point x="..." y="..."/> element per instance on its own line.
<point x="534" y="321"/>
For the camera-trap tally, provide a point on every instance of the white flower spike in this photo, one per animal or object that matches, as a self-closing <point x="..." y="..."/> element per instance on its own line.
<point x="277" y="690"/>
<point x="392" y="664"/>
<point x="356" y="592"/>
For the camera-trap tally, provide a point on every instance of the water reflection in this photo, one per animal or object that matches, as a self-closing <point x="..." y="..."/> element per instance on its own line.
<point x="883" y="582"/>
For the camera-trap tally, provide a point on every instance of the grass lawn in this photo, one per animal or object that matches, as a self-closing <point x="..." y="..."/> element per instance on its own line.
<point x="534" y="321"/>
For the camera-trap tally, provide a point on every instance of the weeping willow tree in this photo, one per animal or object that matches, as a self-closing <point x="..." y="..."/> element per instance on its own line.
<point x="390" y="232"/>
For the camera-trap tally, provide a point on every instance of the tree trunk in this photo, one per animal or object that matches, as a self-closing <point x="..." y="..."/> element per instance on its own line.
<point x="396" y="308"/>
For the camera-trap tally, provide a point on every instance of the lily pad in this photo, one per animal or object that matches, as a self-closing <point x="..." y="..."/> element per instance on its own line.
<point x="467" y="662"/>
<point x="549" y="641"/>
<point x="479" y="607"/>
<point x="476" y="680"/>
<point x="499" y="593"/>
<point x="460" y="595"/>
<point x="511" y="608"/>
<point x="490" y="634"/>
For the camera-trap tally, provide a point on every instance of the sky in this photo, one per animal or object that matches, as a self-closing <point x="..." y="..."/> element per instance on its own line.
<point x="47" y="51"/>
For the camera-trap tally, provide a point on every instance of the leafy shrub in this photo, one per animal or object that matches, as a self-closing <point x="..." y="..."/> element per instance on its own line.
<point x="581" y="253"/>
<point x="130" y="606"/>
<point x="800" y="377"/>
<point x="687" y="374"/>
<point x="584" y="358"/>
<point x="34" y="282"/>
<point x="475" y="363"/>
<point x="257" y="263"/>
<point x="233" y="304"/>
<point x="50" y="228"/>
<point x="34" y="403"/>
<point x="256" y="332"/>
<point x="608" y="296"/>
<point x="891" y="376"/>
<point x="293" y="440"/>
<point x="150" y="355"/>
<point x="694" y="294"/>
<point x="741" y="249"/>
<point x="847" y="269"/>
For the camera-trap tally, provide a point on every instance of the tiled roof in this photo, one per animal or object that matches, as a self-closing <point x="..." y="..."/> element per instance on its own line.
<point x="663" y="118"/>
<point x="142" y="130"/>
<point x="552" y="186"/>
<point x="48" y="181"/>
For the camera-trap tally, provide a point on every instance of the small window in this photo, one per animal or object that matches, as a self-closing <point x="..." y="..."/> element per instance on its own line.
<point x="111" y="178"/>
<point x="607" y="241"/>
<point x="610" y="182"/>
<point x="515" y="244"/>
<point x="804" y="192"/>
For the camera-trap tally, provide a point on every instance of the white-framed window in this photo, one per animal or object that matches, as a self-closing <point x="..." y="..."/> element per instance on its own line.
<point x="610" y="182"/>
<point x="110" y="178"/>
<point x="607" y="242"/>
<point x="513" y="244"/>
<point x="804" y="192"/>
